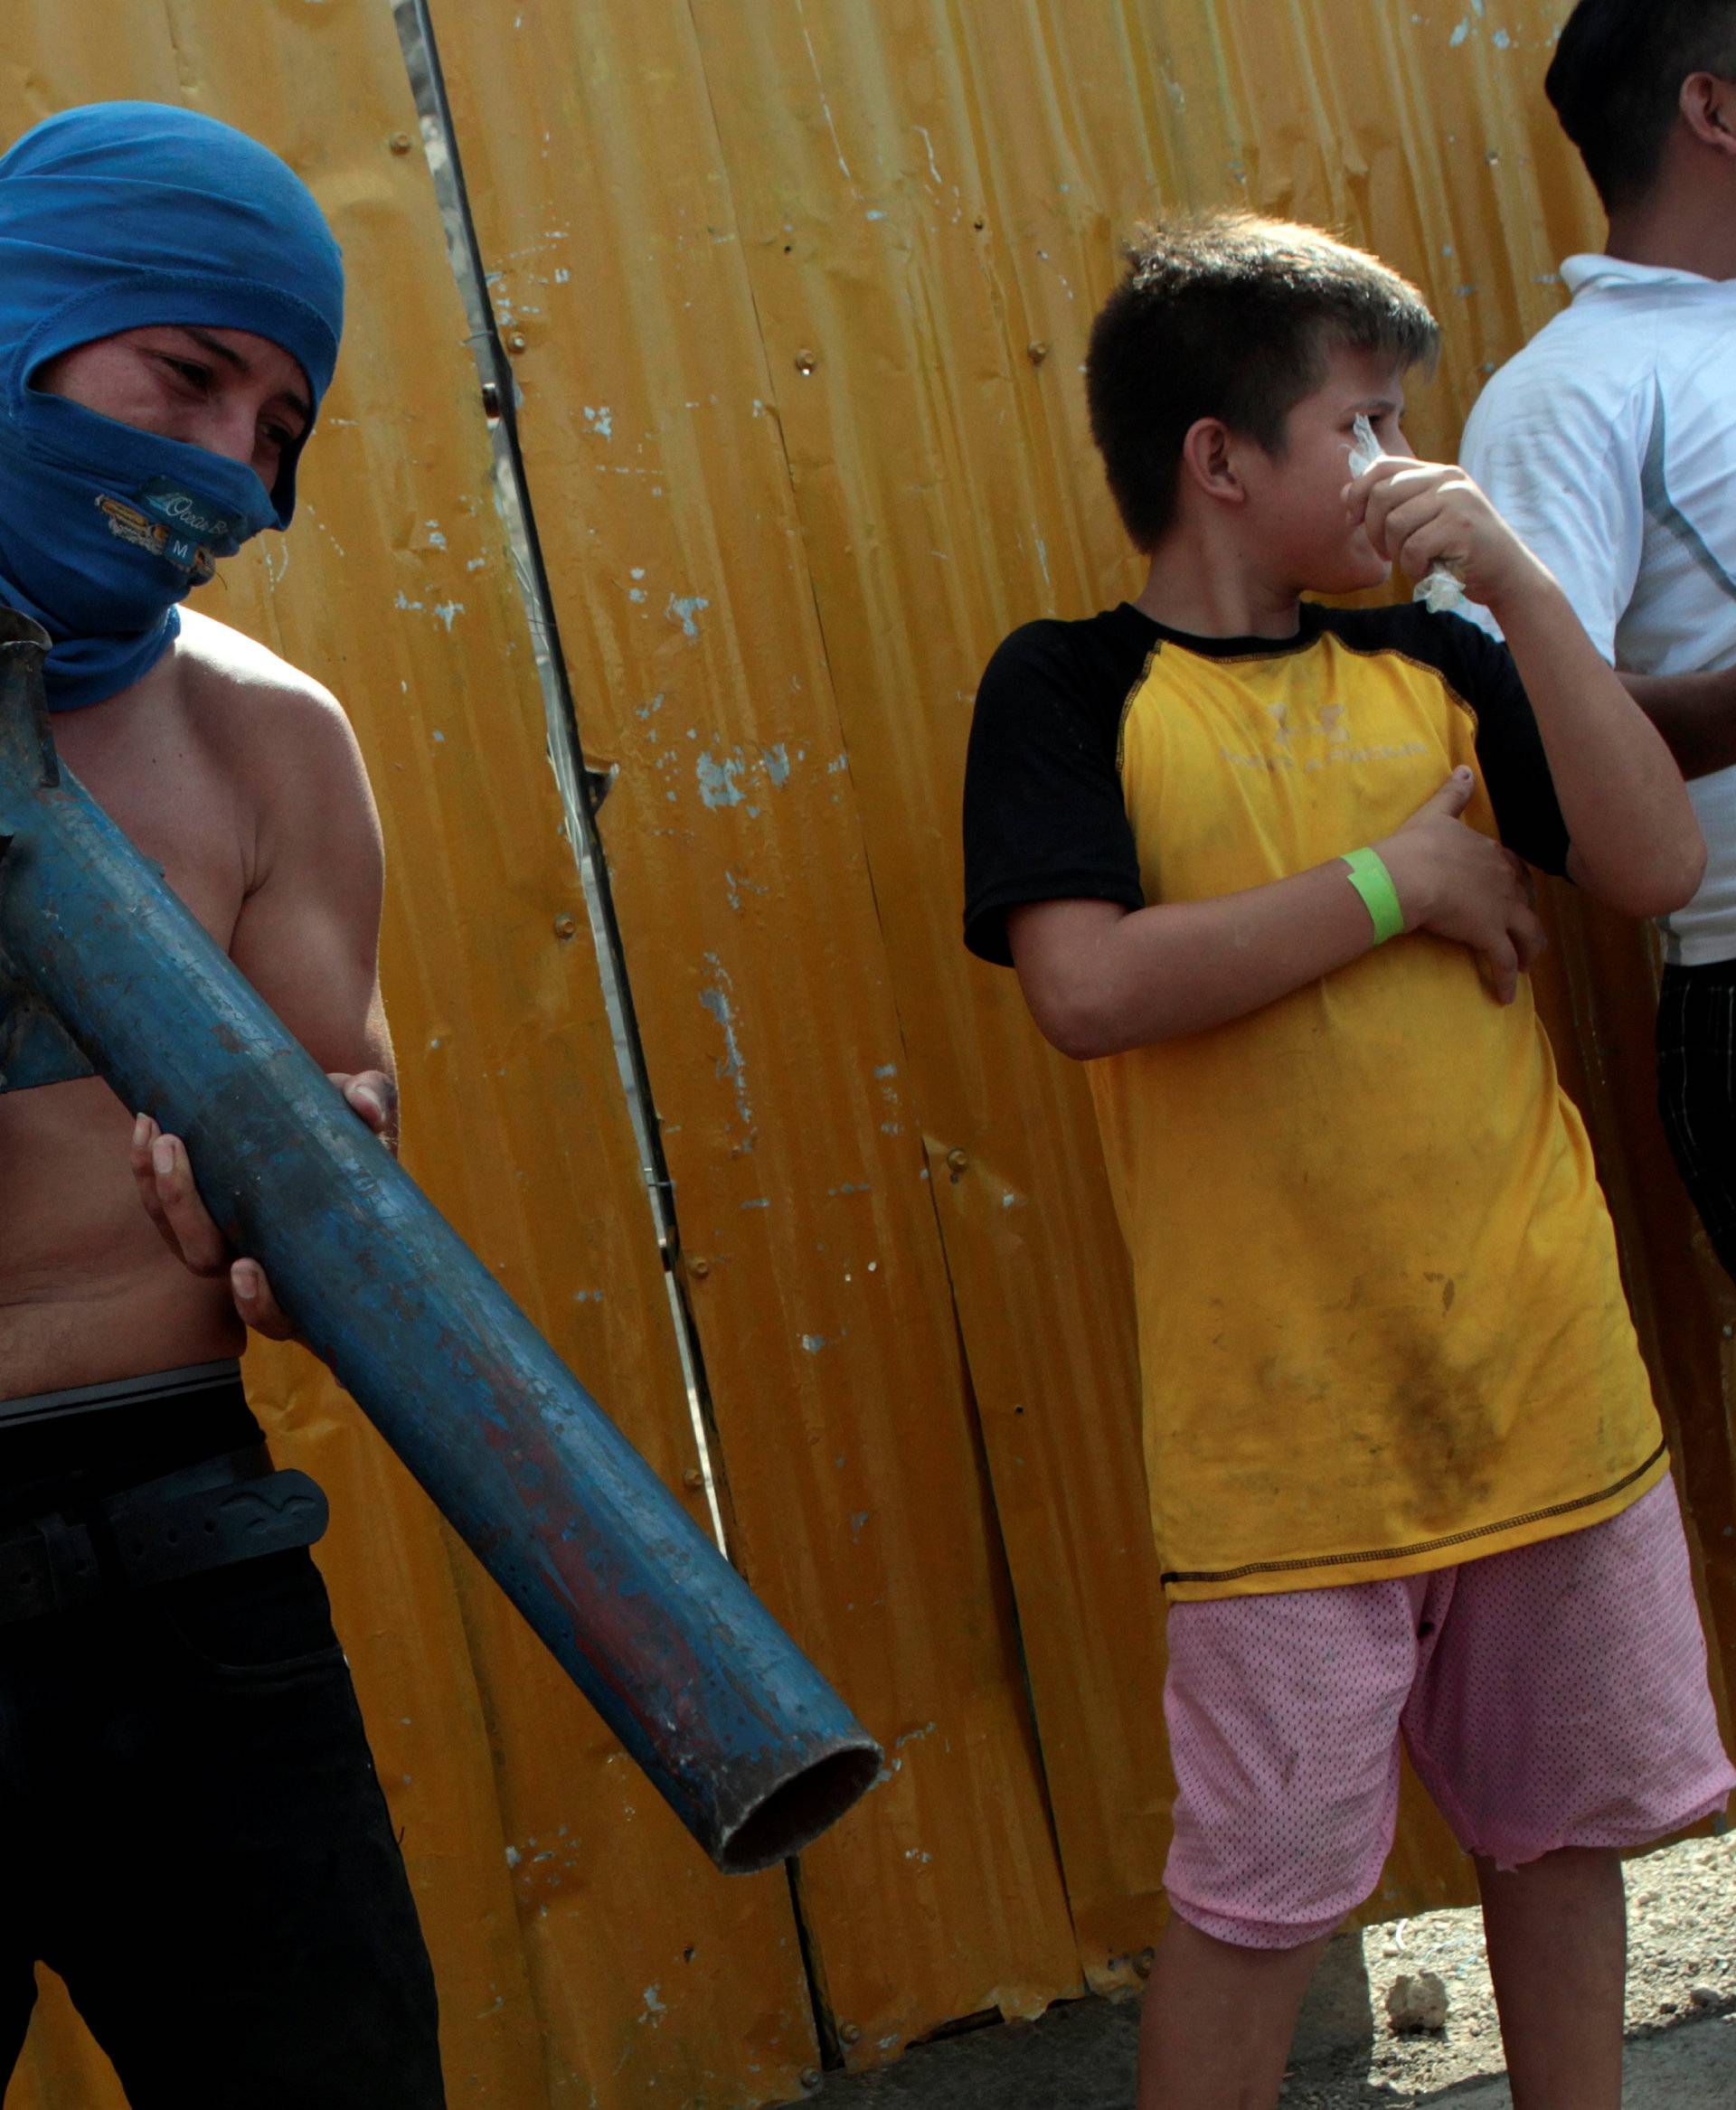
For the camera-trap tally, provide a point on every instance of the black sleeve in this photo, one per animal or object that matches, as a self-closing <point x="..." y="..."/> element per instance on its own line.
<point x="1044" y="818"/>
<point x="1509" y="746"/>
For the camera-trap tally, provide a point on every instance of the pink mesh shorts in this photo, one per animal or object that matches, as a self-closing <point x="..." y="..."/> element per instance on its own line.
<point x="1552" y="1696"/>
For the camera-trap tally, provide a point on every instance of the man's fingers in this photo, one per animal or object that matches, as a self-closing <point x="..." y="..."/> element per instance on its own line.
<point x="200" y="1242"/>
<point x="373" y="1095"/>
<point x="255" y="1302"/>
<point x="145" y="1133"/>
<point x="364" y="1094"/>
<point x="164" y="1177"/>
<point x="145" y="1136"/>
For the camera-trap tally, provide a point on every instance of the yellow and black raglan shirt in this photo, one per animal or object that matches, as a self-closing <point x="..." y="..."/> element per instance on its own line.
<point x="1380" y="1324"/>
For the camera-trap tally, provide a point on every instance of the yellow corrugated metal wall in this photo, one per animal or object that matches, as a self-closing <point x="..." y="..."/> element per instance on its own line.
<point x="800" y="290"/>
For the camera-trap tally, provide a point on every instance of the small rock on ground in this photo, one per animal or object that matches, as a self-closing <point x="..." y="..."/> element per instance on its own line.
<point x="1416" y="2004"/>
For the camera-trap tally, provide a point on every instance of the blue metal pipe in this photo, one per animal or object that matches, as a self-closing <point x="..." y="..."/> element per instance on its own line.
<point x="751" y="1746"/>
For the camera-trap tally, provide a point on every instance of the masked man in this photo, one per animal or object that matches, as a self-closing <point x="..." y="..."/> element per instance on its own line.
<point x="191" y="1829"/>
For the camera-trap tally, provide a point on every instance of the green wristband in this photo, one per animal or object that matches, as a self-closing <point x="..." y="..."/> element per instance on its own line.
<point x="1374" y="882"/>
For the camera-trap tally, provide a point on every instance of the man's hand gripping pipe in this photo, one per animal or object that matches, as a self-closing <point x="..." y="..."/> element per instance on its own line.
<point x="108" y="973"/>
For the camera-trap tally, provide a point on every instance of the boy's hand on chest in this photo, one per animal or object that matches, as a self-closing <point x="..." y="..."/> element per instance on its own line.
<point x="1461" y="885"/>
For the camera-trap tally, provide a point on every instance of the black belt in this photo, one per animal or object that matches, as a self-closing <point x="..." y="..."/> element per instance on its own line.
<point x="176" y="1385"/>
<point x="206" y="1516"/>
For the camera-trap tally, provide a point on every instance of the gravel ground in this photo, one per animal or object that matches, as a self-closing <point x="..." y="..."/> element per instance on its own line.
<point x="1682" y="1964"/>
<point x="1680" y="2021"/>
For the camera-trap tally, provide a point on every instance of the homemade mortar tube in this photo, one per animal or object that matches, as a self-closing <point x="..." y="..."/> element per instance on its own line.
<point x="748" y="1742"/>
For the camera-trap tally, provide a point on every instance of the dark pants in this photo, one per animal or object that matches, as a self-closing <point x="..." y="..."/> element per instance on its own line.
<point x="191" y="1830"/>
<point x="1696" y="1092"/>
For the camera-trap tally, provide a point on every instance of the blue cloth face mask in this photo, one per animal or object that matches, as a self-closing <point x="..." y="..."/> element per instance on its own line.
<point x="114" y="217"/>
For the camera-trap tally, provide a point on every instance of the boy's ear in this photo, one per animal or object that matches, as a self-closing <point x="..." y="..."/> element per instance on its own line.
<point x="1708" y="107"/>
<point x="1208" y="461"/>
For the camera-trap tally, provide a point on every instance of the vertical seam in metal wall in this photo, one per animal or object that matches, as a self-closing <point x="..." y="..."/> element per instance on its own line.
<point x="421" y="55"/>
<point x="580" y="790"/>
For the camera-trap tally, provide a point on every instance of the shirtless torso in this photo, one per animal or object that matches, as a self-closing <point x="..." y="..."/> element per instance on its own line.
<point x="171" y="305"/>
<point x="242" y="778"/>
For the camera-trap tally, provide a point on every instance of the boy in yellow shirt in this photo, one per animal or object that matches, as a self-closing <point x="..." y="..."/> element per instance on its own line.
<point x="1262" y="864"/>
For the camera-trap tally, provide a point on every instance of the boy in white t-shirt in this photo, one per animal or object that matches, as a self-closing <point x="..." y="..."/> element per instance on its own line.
<point x="1609" y="444"/>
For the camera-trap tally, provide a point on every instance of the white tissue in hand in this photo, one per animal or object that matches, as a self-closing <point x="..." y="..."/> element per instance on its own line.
<point x="1440" y="589"/>
<point x="1365" y="449"/>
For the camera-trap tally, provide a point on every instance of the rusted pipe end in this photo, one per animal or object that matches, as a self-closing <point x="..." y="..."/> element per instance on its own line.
<point x="27" y="755"/>
<point x="16" y="628"/>
<point x="794" y="1813"/>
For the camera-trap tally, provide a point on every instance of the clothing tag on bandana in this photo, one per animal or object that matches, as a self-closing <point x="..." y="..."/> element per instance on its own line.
<point x="186" y="514"/>
<point x="178" y="534"/>
<point x="194" y="524"/>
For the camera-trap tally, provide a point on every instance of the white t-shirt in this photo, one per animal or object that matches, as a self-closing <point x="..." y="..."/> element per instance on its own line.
<point x="1609" y="444"/>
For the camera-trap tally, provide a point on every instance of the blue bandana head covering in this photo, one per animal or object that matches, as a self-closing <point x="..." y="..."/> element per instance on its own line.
<point x="115" y="217"/>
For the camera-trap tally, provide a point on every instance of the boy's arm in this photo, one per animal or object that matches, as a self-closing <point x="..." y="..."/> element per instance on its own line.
<point x="1636" y="845"/>
<point x="1100" y="978"/>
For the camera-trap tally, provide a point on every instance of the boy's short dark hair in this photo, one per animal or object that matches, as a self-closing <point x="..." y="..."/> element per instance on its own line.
<point x="1616" y="81"/>
<point x="1228" y="316"/>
